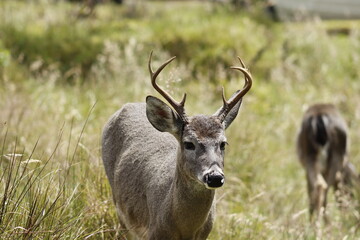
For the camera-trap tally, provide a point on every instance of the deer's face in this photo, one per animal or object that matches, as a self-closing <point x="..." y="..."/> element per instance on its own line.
<point x="202" y="138"/>
<point x="203" y="144"/>
<point x="202" y="141"/>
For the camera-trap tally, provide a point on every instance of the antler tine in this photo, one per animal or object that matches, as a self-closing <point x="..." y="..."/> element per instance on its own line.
<point x="241" y="62"/>
<point x="178" y="106"/>
<point x="228" y="105"/>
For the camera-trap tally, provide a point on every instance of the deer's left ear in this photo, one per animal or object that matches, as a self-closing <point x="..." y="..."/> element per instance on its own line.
<point x="232" y="114"/>
<point x="162" y="117"/>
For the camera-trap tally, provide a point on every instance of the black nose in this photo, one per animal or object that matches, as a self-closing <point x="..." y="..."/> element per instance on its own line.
<point x="214" y="180"/>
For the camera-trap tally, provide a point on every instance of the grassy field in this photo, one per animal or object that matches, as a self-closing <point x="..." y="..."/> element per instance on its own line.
<point x="62" y="75"/>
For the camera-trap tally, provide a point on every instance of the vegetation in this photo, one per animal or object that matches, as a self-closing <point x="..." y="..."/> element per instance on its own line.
<point x="61" y="77"/>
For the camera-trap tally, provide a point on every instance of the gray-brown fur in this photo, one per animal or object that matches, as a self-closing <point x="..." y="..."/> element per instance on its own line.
<point x="163" y="166"/>
<point x="156" y="191"/>
<point x="322" y="147"/>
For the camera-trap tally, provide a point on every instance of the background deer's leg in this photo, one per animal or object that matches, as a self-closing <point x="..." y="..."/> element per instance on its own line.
<point x="312" y="192"/>
<point x="336" y="178"/>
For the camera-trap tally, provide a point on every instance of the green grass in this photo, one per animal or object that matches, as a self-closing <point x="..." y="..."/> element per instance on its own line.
<point x="61" y="77"/>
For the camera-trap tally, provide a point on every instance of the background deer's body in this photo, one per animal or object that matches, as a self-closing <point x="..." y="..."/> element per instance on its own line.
<point x="322" y="148"/>
<point x="163" y="166"/>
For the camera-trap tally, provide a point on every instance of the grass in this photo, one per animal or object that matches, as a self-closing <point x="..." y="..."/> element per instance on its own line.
<point x="61" y="78"/>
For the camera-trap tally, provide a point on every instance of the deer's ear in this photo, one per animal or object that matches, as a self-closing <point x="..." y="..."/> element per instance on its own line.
<point x="232" y="114"/>
<point x="162" y="117"/>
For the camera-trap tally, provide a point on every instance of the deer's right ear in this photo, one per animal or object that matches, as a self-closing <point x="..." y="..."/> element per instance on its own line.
<point x="162" y="117"/>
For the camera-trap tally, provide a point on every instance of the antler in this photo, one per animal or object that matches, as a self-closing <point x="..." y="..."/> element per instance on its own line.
<point x="228" y="105"/>
<point x="178" y="106"/>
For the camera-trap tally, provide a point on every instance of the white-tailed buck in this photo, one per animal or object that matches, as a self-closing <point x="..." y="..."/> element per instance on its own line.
<point x="322" y="147"/>
<point x="164" y="166"/>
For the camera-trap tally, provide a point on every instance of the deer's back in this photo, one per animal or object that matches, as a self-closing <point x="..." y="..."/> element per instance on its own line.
<point x="322" y="127"/>
<point x="138" y="160"/>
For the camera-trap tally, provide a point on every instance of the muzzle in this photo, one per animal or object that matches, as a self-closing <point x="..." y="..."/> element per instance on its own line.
<point x="214" y="180"/>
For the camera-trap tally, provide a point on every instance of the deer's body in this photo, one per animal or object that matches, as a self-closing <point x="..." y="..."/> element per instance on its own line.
<point x="322" y="149"/>
<point x="164" y="167"/>
<point x="145" y="190"/>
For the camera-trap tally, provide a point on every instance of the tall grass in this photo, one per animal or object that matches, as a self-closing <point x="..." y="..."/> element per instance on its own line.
<point x="46" y="195"/>
<point x="52" y="183"/>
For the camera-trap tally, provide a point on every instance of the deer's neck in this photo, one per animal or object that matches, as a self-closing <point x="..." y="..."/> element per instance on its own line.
<point x="190" y="200"/>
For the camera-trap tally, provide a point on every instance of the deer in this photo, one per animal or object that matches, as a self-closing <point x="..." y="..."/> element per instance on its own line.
<point x="164" y="166"/>
<point x="322" y="147"/>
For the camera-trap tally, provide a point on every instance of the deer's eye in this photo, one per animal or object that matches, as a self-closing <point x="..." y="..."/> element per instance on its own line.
<point x="222" y="145"/>
<point x="189" y="146"/>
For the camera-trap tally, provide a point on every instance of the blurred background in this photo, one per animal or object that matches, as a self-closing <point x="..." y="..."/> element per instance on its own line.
<point x="66" y="66"/>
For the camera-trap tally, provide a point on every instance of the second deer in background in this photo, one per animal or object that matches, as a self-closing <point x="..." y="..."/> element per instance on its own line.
<point x="322" y="147"/>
